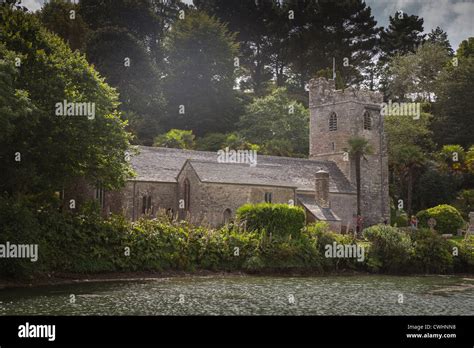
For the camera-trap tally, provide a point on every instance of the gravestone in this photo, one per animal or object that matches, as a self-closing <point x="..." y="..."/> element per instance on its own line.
<point x="431" y="223"/>
<point x="470" y="230"/>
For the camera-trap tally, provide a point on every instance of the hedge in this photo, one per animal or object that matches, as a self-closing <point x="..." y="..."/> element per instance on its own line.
<point x="448" y="219"/>
<point x="277" y="219"/>
<point x="88" y="243"/>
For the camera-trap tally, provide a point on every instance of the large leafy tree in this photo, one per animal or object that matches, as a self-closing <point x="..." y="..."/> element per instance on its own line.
<point x="409" y="145"/>
<point x="136" y="16"/>
<point x="126" y="47"/>
<point x="127" y="65"/>
<point x="415" y="74"/>
<point x="277" y="123"/>
<point x="290" y="41"/>
<point x="41" y="151"/>
<point x="250" y="21"/>
<point x="200" y="53"/>
<point x="454" y="107"/>
<point x="63" y="18"/>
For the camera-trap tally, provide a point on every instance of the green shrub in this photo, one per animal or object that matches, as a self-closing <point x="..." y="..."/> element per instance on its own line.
<point x="18" y="225"/>
<point x="390" y="249"/>
<point x="398" y="218"/>
<point x="465" y="202"/>
<point x="88" y="243"/>
<point x="432" y="253"/>
<point x="448" y="219"/>
<point x="277" y="219"/>
<point x="463" y="260"/>
<point x="323" y="236"/>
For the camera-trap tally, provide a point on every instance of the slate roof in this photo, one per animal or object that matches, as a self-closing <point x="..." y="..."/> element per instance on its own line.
<point x="234" y="173"/>
<point x="164" y="165"/>
<point x="320" y="213"/>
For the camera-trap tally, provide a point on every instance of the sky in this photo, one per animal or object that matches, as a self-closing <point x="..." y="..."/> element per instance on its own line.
<point x="456" y="17"/>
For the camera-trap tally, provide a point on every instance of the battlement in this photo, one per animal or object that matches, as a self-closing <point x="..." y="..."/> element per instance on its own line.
<point x="323" y="91"/>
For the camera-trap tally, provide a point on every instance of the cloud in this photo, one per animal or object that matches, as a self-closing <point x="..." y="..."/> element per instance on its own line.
<point x="33" y="5"/>
<point x="453" y="16"/>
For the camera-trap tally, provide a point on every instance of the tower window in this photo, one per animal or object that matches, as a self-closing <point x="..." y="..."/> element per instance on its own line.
<point x="367" y="121"/>
<point x="268" y="197"/>
<point x="333" y="122"/>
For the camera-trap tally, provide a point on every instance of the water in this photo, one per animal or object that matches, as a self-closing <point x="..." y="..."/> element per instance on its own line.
<point x="250" y="295"/>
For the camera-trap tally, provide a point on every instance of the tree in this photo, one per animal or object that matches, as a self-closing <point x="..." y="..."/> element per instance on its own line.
<point x="454" y="107"/>
<point x="289" y="41"/>
<point x="63" y="18"/>
<point x="127" y="65"/>
<point x="434" y="187"/>
<point x="135" y="16"/>
<point x="274" y="122"/>
<point x="408" y="159"/>
<point x="439" y="37"/>
<point x="42" y="151"/>
<point x="219" y="141"/>
<point x="126" y="47"/>
<point x="409" y="143"/>
<point x="452" y="158"/>
<point x="250" y="21"/>
<point x="470" y="160"/>
<point x="177" y="139"/>
<point x="466" y="48"/>
<point x="416" y="73"/>
<point x="200" y="53"/>
<point x="403" y="35"/>
<point x="358" y="147"/>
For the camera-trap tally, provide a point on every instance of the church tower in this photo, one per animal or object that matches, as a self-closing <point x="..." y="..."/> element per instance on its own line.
<point x="335" y="117"/>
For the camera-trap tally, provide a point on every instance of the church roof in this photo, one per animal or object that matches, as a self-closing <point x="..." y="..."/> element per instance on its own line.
<point x="233" y="173"/>
<point x="164" y="164"/>
<point x="325" y="214"/>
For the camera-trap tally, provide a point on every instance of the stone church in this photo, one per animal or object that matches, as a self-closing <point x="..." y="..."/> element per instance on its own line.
<point x="194" y="185"/>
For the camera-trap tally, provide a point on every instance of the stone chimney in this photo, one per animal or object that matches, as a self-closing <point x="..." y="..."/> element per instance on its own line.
<point x="322" y="188"/>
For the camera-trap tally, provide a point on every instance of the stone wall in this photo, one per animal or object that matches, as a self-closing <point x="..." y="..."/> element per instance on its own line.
<point x="344" y="206"/>
<point x="208" y="201"/>
<point x="163" y="197"/>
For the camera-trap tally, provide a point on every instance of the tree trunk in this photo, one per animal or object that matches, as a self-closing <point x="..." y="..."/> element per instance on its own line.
<point x="409" y="190"/>
<point x="358" y="184"/>
<point x="357" y="169"/>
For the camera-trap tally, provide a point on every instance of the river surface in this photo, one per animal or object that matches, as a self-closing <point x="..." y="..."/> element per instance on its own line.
<point x="249" y="295"/>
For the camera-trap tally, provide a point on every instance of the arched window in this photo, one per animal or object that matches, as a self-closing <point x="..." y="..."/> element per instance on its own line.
<point x="227" y="216"/>
<point x="187" y="194"/>
<point x="333" y="122"/>
<point x="367" y="121"/>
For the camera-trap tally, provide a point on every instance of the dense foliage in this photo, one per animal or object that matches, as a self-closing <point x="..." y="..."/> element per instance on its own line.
<point x="42" y="150"/>
<point x="88" y="243"/>
<point x="448" y="219"/>
<point x="274" y="218"/>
